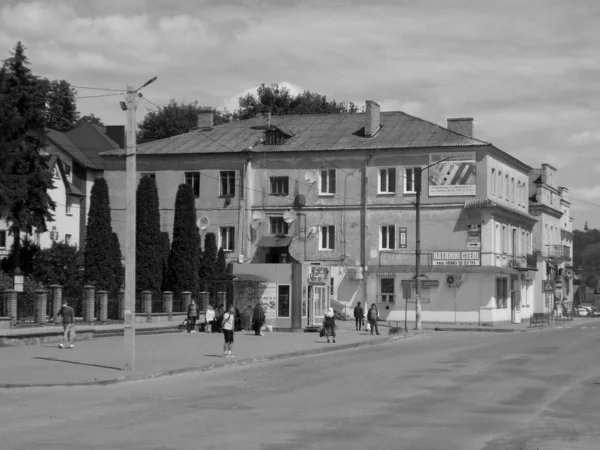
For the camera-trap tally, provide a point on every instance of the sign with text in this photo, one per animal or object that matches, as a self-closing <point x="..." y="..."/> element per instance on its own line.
<point x="318" y="274"/>
<point x="473" y="237"/>
<point x="267" y="293"/>
<point x="456" y="258"/>
<point x="403" y="235"/>
<point x="424" y="283"/>
<point x="454" y="176"/>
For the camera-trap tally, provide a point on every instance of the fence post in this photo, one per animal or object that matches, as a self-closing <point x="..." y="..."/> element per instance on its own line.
<point x="168" y="303"/>
<point x="89" y="297"/>
<point x="204" y="299"/>
<point x="121" y="300"/>
<point x="10" y="305"/>
<point x="103" y="316"/>
<point x="147" y="304"/>
<point x="187" y="299"/>
<point x="56" y="298"/>
<point x="41" y="303"/>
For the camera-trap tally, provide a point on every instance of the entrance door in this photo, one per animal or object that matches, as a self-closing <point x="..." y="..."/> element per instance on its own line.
<point x="515" y="302"/>
<point x="319" y="304"/>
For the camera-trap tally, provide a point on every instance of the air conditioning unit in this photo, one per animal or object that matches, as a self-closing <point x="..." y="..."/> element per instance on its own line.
<point x="451" y="280"/>
<point x="355" y="273"/>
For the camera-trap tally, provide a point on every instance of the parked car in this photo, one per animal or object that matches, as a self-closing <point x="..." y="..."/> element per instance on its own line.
<point x="593" y="311"/>
<point x="582" y="311"/>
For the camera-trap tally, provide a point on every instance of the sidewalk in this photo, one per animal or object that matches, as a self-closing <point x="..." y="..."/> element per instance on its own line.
<point x="100" y="361"/>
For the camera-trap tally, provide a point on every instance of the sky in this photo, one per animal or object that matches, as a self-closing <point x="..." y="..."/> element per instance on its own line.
<point x="526" y="71"/>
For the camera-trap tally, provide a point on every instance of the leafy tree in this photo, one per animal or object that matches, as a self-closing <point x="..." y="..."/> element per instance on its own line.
<point x="61" y="106"/>
<point x="24" y="176"/>
<point x="60" y="264"/>
<point x="165" y="248"/>
<point x="209" y="260"/>
<point x="173" y="119"/>
<point x="27" y="254"/>
<point x="90" y="118"/>
<point x="148" y="244"/>
<point x="100" y="255"/>
<point x="183" y="269"/>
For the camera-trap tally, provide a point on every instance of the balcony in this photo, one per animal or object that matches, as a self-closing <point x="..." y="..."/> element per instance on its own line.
<point x="558" y="252"/>
<point x="522" y="262"/>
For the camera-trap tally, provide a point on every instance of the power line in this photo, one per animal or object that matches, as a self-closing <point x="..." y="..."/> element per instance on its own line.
<point x="584" y="201"/>
<point x="99" y="89"/>
<point x="101" y="95"/>
<point x="153" y="104"/>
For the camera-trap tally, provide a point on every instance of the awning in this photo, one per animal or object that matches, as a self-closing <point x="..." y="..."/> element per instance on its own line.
<point x="274" y="241"/>
<point x="250" y="277"/>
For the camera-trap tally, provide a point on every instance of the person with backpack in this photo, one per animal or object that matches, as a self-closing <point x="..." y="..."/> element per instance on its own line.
<point x="227" y="324"/>
<point x="359" y="315"/>
<point x="373" y="317"/>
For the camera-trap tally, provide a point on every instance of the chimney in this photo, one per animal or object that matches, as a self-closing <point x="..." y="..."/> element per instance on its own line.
<point x="462" y="125"/>
<point x="205" y="120"/>
<point x="117" y="134"/>
<point x="373" y="120"/>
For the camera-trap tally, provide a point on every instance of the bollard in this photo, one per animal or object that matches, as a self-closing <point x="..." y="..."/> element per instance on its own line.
<point x="103" y="297"/>
<point x="10" y="305"/>
<point x="56" y="299"/>
<point x="121" y="299"/>
<point x="41" y="304"/>
<point x="187" y="299"/>
<point x="89" y="298"/>
<point x="168" y="302"/>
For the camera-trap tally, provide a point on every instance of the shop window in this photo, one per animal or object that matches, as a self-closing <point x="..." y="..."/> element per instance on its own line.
<point x="279" y="185"/>
<point x="227" y="235"/>
<point x="278" y="225"/>
<point x="228" y="183"/>
<point x="387" y="181"/>
<point x="283" y="301"/>
<point x="386" y="290"/>
<point x="327" y="182"/>
<point x="193" y="179"/>
<point x="501" y="293"/>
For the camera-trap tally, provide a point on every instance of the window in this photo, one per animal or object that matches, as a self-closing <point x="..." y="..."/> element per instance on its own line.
<point x="493" y="182"/>
<point x="327" y="237"/>
<point x="387" y="238"/>
<point x="228" y="183"/>
<point x="227" y="238"/>
<point x="331" y="286"/>
<point x="55" y="173"/>
<point x="512" y="187"/>
<point x="506" y="187"/>
<point x="278" y="225"/>
<point x="410" y="177"/>
<point x="3" y="239"/>
<point x="37" y="236"/>
<point x="193" y="179"/>
<point x="283" y="300"/>
<point x="501" y="292"/>
<point x="328" y="181"/>
<point x="279" y="185"/>
<point x="386" y="290"/>
<point x="500" y="185"/>
<point x="387" y="181"/>
<point x="66" y="168"/>
<point x="67" y="239"/>
<point x="504" y="239"/>
<point x="151" y="175"/>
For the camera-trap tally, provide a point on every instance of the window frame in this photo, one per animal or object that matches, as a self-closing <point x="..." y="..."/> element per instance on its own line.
<point x="390" y="182"/>
<point x="285" y="185"/>
<point x="393" y="244"/>
<point x="3" y="235"/>
<point x="329" y="178"/>
<point x="289" y="301"/>
<point x="278" y="221"/>
<point x="69" y="206"/>
<point x="386" y="297"/>
<point x="193" y="179"/>
<point x="327" y="233"/>
<point x="230" y="231"/>
<point x="412" y="179"/>
<point x="227" y="183"/>
<point x="68" y="238"/>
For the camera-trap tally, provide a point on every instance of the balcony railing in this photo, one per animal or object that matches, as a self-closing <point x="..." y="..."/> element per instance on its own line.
<point x="558" y="252"/>
<point x="523" y="262"/>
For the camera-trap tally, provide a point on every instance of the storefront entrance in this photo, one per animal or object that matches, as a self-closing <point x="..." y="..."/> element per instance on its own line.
<point x="318" y="304"/>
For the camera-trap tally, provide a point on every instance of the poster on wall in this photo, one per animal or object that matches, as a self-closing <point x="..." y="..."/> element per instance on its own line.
<point x="318" y="275"/>
<point x="455" y="175"/>
<point x="267" y="294"/>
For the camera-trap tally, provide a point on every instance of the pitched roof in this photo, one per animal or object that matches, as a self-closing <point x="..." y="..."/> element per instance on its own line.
<point x="311" y="132"/>
<point x="63" y="141"/>
<point x="92" y="140"/>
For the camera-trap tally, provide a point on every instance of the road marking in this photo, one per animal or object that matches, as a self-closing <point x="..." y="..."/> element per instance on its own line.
<point x="583" y="328"/>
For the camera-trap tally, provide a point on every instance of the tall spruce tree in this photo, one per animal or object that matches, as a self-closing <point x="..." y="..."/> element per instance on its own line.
<point x="24" y="176"/>
<point x="183" y="269"/>
<point x="117" y="265"/>
<point x="209" y="261"/>
<point x="148" y="244"/>
<point x="165" y="249"/>
<point x="221" y="269"/>
<point x="100" y="253"/>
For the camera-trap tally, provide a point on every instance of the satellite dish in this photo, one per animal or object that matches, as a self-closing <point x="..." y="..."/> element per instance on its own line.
<point x="257" y="218"/>
<point x="203" y="223"/>
<point x="310" y="176"/>
<point x="289" y="216"/>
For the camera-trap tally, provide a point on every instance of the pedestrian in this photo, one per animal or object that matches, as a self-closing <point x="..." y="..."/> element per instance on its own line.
<point x="227" y="324"/>
<point x="373" y="317"/>
<point x="359" y="314"/>
<point x="258" y="319"/>
<point x="210" y="317"/>
<point x="192" y="315"/>
<point x="329" y="324"/>
<point x="68" y="320"/>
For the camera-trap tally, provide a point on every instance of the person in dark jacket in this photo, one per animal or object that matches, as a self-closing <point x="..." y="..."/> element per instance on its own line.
<point x="192" y="315"/>
<point x="359" y="315"/>
<point x="68" y="319"/>
<point x="258" y="319"/>
<point x="329" y="325"/>
<point x="373" y="317"/>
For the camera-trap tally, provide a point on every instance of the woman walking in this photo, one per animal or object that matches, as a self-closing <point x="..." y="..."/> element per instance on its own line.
<point x="210" y="318"/>
<point x="329" y="325"/>
<point x="258" y="319"/>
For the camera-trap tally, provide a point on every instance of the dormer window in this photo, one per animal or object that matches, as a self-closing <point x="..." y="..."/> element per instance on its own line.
<point x="276" y="136"/>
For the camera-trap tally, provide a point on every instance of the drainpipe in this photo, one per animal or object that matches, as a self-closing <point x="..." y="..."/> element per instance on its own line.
<point x="365" y="197"/>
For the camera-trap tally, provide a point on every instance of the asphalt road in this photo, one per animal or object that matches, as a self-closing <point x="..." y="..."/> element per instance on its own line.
<point x="444" y="390"/>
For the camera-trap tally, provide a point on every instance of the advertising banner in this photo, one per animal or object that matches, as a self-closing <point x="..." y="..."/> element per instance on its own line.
<point x="456" y="258"/>
<point x="455" y="176"/>
<point x="267" y="293"/>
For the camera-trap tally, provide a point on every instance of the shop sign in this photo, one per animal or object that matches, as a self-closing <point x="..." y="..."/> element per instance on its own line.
<point x="318" y="274"/>
<point x="473" y="237"/>
<point x="454" y="175"/>
<point x="424" y="283"/>
<point x="472" y="258"/>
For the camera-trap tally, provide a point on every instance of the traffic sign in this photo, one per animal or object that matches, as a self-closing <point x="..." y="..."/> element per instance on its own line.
<point x="548" y="286"/>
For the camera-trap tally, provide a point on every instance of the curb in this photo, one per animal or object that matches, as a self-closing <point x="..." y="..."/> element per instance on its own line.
<point x="237" y="362"/>
<point x="481" y="330"/>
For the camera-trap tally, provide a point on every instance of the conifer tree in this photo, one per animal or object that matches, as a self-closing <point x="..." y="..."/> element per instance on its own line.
<point x="148" y="244"/>
<point x="165" y="249"/>
<point x="209" y="260"/>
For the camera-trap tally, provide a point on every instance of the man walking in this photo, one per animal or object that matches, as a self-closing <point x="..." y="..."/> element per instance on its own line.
<point x="68" y="320"/>
<point x="192" y="315"/>
<point x="227" y="326"/>
<point x="359" y="314"/>
<point x="373" y="317"/>
<point x="258" y="319"/>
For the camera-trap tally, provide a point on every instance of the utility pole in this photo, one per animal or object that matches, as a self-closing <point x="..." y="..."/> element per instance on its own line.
<point x="418" y="173"/>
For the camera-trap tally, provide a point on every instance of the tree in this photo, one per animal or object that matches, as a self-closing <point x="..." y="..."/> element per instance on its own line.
<point x="117" y="265"/>
<point x="174" y="119"/>
<point x="24" y="176"/>
<point x="61" y="106"/>
<point x="90" y="118"/>
<point x="209" y="260"/>
<point x="183" y="269"/>
<point x="100" y="253"/>
<point x="148" y="244"/>
<point x="27" y="254"/>
<point x="60" y="264"/>
<point x="165" y="249"/>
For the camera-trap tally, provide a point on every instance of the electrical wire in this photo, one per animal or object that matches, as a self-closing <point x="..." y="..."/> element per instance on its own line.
<point x="101" y="95"/>
<point x="584" y="201"/>
<point x="99" y="89"/>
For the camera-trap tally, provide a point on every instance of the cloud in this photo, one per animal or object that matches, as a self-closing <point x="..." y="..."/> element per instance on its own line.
<point x="586" y="193"/>
<point x="585" y="138"/>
